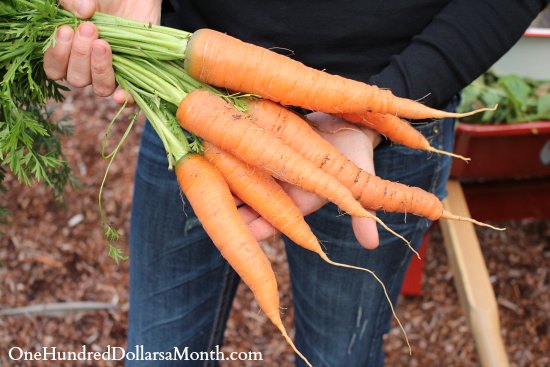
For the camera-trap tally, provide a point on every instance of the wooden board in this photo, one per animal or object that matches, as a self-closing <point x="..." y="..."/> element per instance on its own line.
<point x="472" y="280"/>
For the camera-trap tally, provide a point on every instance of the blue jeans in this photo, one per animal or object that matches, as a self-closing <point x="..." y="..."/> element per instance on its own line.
<point x="181" y="289"/>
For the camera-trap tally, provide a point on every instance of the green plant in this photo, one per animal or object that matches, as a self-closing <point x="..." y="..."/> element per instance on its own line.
<point x="519" y="99"/>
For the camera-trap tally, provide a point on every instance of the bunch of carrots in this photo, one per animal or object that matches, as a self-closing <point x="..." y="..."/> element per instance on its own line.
<point x="218" y="105"/>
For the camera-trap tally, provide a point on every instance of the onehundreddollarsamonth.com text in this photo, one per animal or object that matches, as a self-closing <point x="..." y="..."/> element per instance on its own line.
<point x="138" y="353"/>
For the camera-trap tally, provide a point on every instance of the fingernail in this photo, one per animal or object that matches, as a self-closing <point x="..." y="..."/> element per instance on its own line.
<point x="98" y="51"/>
<point x="84" y="8"/>
<point x="86" y="30"/>
<point x="64" y="34"/>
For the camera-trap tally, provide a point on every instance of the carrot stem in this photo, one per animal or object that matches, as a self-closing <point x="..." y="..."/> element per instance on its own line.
<point x="109" y="233"/>
<point x="149" y="80"/>
<point x="173" y="138"/>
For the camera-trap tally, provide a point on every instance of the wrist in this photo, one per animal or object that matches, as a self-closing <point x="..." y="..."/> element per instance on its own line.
<point x="152" y="10"/>
<point x="146" y="11"/>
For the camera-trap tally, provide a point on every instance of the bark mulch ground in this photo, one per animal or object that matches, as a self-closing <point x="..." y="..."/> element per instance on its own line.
<point x="54" y="252"/>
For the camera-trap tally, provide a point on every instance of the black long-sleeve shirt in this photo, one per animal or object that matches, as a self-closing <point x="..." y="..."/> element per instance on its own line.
<point x="417" y="48"/>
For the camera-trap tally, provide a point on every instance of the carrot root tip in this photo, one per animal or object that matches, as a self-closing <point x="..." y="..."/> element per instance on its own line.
<point x="438" y="151"/>
<point x="451" y="216"/>
<point x="291" y="343"/>
<point x="466" y="114"/>
<point x="379" y="221"/>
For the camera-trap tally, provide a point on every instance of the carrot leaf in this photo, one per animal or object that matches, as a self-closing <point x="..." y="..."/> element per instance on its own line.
<point x="519" y="99"/>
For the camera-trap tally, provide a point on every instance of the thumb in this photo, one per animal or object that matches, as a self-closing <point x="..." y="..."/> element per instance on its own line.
<point x="81" y="8"/>
<point x="365" y="232"/>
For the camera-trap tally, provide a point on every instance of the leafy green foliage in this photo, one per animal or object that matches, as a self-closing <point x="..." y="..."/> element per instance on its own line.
<point x="195" y="144"/>
<point x="519" y="99"/>
<point x="29" y="140"/>
<point x="148" y="63"/>
<point x="543" y="105"/>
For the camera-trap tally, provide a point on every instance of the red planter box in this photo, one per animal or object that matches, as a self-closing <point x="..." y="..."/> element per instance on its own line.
<point x="502" y="151"/>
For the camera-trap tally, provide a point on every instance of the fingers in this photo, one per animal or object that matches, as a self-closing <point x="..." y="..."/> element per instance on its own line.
<point x="80" y="57"/>
<point x="238" y="202"/>
<point x="307" y="202"/>
<point x="83" y="59"/>
<point x="258" y="226"/>
<point x="56" y="59"/>
<point x="102" y="75"/>
<point x="81" y="8"/>
<point x="80" y="61"/>
<point x="120" y="96"/>
<point x="373" y="135"/>
<point x="365" y="232"/>
<point x="364" y="229"/>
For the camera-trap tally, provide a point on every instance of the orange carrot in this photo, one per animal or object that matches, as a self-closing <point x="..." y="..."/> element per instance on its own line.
<point x="217" y="121"/>
<point x="215" y="208"/>
<point x="397" y="130"/>
<point x="262" y="193"/>
<point x="218" y="59"/>
<point x="370" y="190"/>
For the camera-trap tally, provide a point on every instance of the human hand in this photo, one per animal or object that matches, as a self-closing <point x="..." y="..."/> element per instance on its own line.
<point x="358" y="145"/>
<point x="84" y="59"/>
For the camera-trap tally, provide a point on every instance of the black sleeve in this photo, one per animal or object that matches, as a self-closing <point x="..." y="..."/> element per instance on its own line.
<point x="461" y="43"/>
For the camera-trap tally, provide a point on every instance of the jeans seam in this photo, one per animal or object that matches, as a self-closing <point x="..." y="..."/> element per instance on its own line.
<point x="383" y="308"/>
<point x="223" y="303"/>
<point x="437" y="170"/>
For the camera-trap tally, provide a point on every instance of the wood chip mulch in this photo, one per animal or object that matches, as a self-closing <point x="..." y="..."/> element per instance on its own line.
<point x="54" y="252"/>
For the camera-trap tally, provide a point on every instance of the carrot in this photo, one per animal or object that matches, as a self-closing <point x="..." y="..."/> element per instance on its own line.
<point x="217" y="121"/>
<point x="397" y="130"/>
<point x="370" y="190"/>
<point x="215" y="208"/>
<point x="262" y="193"/>
<point x="218" y="59"/>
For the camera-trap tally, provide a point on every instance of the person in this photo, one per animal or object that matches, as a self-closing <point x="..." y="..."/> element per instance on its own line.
<point x="180" y="288"/>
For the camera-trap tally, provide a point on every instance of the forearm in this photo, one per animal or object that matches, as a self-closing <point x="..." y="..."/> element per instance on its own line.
<point x="151" y="7"/>
<point x="147" y="11"/>
<point x="461" y="42"/>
